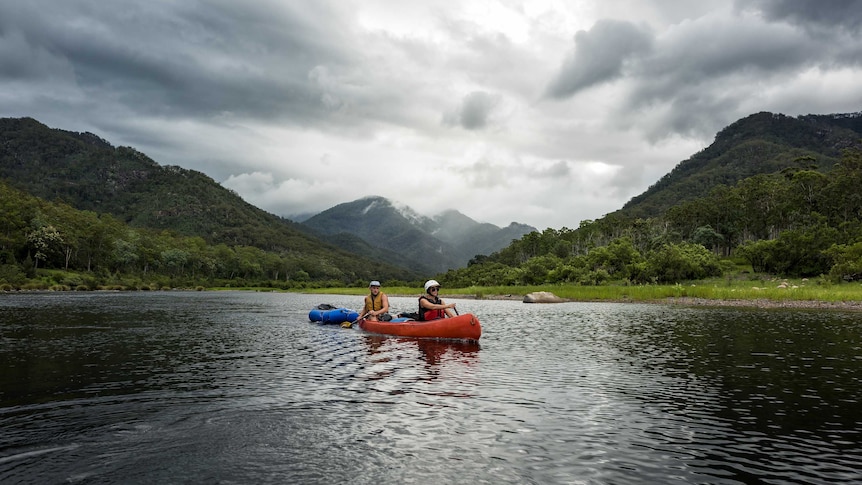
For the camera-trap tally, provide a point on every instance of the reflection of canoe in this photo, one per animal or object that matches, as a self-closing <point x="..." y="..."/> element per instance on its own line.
<point x="336" y="315"/>
<point x="433" y="351"/>
<point x="462" y="351"/>
<point x="465" y="326"/>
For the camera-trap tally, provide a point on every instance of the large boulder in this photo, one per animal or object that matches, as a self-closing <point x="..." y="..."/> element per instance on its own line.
<point x="542" y="297"/>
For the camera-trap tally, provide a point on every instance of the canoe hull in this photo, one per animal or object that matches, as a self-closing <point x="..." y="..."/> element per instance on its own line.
<point x="462" y="327"/>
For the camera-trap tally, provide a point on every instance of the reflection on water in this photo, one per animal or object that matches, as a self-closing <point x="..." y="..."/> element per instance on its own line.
<point x="434" y="352"/>
<point x="242" y="388"/>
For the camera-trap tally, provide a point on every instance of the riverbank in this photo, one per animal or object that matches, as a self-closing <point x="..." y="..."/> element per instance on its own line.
<point x="800" y="303"/>
<point x="786" y="300"/>
<point x="718" y="292"/>
<point x="765" y="303"/>
<point x="708" y="302"/>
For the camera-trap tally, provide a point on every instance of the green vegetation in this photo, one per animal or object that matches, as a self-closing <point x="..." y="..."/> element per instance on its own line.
<point x="113" y="217"/>
<point x="796" y="223"/>
<point x="771" y="199"/>
<point x="762" y="143"/>
<point x="47" y="245"/>
<point x="758" y="288"/>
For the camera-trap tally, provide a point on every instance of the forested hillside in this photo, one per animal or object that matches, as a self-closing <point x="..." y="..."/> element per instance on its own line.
<point x="780" y="195"/>
<point x="82" y="204"/>
<point x="91" y="250"/>
<point x="762" y="143"/>
<point x="773" y="195"/>
<point x="89" y="174"/>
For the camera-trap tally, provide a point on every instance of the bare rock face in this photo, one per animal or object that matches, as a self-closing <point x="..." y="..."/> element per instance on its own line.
<point x="542" y="297"/>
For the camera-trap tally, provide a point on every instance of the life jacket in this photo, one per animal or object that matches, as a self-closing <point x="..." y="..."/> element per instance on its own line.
<point x="426" y="314"/>
<point x="372" y="304"/>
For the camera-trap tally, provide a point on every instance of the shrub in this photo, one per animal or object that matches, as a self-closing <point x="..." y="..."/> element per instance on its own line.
<point x="34" y="285"/>
<point x="673" y="263"/>
<point x="847" y="262"/>
<point x="11" y="273"/>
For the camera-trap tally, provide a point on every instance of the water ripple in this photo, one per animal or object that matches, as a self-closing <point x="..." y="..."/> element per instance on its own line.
<point x="242" y="388"/>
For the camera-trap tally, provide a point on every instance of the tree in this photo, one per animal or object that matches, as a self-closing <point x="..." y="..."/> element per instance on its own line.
<point x="706" y="237"/>
<point x="174" y="260"/>
<point x="44" y="240"/>
<point x="680" y="262"/>
<point x="808" y="186"/>
<point x="615" y="259"/>
<point x="125" y="254"/>
<point x="800" y="252"/>
<point x="843" y="192"/>
<point x="758" y="254"/>
<point x="847" y="261"/>
<point x="537" y="268"/>
<point x="761" y="199"/>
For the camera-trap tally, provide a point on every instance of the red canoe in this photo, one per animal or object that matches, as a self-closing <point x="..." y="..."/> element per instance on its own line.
<point x="465" y="326"/>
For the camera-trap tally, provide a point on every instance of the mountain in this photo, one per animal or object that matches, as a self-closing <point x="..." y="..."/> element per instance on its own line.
<point x="433" y="244"/>
<point x="477" y="238"/>
<point x="89" y="174"/>
<point x="757" y="144"/>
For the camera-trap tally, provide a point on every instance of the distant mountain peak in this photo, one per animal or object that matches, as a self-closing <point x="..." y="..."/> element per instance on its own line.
<point x="411" y="215"/>
<point x="373" y="203"/>
<point x="445" y="241"/>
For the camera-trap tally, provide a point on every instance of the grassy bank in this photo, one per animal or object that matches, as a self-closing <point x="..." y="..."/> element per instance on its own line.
<point x="739" y="287"/>
<point x="718" y="289"/>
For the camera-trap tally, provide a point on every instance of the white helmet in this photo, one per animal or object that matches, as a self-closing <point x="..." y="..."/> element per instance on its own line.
<point x="430" y="283"/>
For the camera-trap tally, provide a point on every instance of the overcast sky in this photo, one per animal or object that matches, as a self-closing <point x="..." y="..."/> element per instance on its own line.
<point x="542" y="112"/>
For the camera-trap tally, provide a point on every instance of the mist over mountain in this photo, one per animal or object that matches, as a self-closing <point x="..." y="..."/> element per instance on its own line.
<point x="445" y="241"/>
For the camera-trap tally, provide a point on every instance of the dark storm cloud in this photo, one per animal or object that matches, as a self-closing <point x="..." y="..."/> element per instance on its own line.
<point x="829" y="14"/>
<point x="599" y="56"/>
<point x="833" y="26"/>
<point x="179" y="59"/>
<point x="682" y="79"/>
<point x="290" y="101"/>
<point x="692" y="69"/>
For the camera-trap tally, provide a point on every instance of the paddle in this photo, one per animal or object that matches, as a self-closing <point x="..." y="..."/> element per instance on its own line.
<point x="350" y="324"/>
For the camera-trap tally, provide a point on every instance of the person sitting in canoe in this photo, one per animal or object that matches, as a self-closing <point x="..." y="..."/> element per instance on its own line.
<point x="431" y="307"/>
<point x="376" y="304"/>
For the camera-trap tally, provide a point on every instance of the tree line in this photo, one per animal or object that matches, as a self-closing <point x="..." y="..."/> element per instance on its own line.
<point x="797" y="222"/>
<point x="77" y="249"/>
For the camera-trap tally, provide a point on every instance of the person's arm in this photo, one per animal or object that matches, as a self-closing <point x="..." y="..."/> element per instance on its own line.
<point x="384" y="300"/>
<point x="448" y="308"/>
<point x="433" y="306"/>
<point x="426" y="303"/>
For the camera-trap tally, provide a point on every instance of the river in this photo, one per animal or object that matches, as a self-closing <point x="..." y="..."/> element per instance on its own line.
<point x="240" y="387"/>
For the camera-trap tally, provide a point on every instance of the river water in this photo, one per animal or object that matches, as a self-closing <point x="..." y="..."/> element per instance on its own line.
<point x="239" y="387"/>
